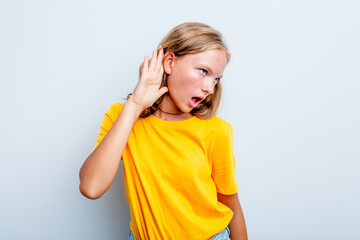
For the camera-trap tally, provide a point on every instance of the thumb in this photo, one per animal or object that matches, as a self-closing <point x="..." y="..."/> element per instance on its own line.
<point x="163" y="90"/>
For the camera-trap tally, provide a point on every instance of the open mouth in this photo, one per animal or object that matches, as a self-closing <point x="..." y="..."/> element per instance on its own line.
<point x="196" y="100"/>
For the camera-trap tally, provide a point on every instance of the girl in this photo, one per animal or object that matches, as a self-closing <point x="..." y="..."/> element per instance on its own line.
<point x="178" y="157"/>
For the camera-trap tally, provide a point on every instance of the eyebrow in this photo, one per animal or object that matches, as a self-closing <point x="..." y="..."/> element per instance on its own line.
<point x="209" y="68"/>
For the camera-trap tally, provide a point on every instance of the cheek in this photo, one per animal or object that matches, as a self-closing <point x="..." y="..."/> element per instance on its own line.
<point x="191" y="78"/>
<point x="184" y="80"/>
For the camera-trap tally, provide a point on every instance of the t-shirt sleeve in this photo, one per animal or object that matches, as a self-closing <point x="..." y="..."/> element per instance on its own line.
<point x="110" y="117"/>
<point x="223" y="162"/>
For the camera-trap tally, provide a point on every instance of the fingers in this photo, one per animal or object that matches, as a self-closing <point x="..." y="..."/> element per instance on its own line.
<point x="159" y="60"/>
<point x="154" y="70"/>
<point x="163" y="90"/>
<point x="146" y="63"/>
<point x="156" y="60"/>
<point x="161" y="71"/>
<point x="153" y="61"/>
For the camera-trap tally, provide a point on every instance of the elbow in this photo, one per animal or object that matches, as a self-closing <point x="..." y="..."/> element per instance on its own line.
<point x="87" y="189"/>
<point x="89" y="192"/>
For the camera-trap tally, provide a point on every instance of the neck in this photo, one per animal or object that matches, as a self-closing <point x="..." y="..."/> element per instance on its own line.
<point x="169" y="111"/>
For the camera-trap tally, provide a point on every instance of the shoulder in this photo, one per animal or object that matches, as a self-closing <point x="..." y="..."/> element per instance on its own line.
<point x="114" y="111"/>
<point x="218" y="124"/>
<point x="217" y="128"/>
<point x="116" y="107"/>
<point x="219" y="137"/>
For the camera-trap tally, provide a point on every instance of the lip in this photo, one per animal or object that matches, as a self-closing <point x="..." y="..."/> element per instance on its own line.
<point x="201" y="97"/>
<point x="194" y="105"/>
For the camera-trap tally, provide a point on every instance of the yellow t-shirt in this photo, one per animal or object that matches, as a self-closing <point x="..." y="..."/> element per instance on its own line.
<point x="172" y="173"/>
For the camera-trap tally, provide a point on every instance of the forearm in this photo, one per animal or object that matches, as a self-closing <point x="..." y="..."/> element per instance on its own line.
<point x="99" y="169"/>
<point x="237" y="227"/>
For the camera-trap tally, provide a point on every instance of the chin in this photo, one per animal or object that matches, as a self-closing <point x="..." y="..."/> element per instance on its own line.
<point x="183" y="108"/>
<point x="187" y="109"/>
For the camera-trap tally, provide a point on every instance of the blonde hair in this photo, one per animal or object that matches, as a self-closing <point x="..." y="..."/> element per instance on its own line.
<point x="192" y="38"/>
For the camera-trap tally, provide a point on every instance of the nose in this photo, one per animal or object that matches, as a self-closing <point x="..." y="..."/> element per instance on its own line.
<point x="208" y="86"/>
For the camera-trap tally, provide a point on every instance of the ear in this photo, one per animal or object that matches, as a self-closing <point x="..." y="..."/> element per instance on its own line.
<point x="168" y="62"/>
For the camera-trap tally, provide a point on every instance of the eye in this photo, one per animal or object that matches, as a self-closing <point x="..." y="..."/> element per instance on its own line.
<point x="203" y="71"/>
<point x="216" y="80"/>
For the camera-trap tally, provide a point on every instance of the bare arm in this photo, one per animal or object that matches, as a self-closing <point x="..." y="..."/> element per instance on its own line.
<point x="237" y="224"/>
<point x="99" y="169"/>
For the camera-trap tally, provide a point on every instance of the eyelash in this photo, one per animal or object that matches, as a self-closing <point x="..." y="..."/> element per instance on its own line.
<point x="218" y="79"/>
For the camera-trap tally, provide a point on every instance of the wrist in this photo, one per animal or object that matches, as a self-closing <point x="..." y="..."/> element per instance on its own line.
<point x="133" y="105"/>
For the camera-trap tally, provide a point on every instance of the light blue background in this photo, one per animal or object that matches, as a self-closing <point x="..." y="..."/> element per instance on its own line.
<point x="291" y="92"/>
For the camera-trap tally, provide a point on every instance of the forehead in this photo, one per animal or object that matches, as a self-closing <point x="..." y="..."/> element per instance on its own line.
<point x="214" y="58"/>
